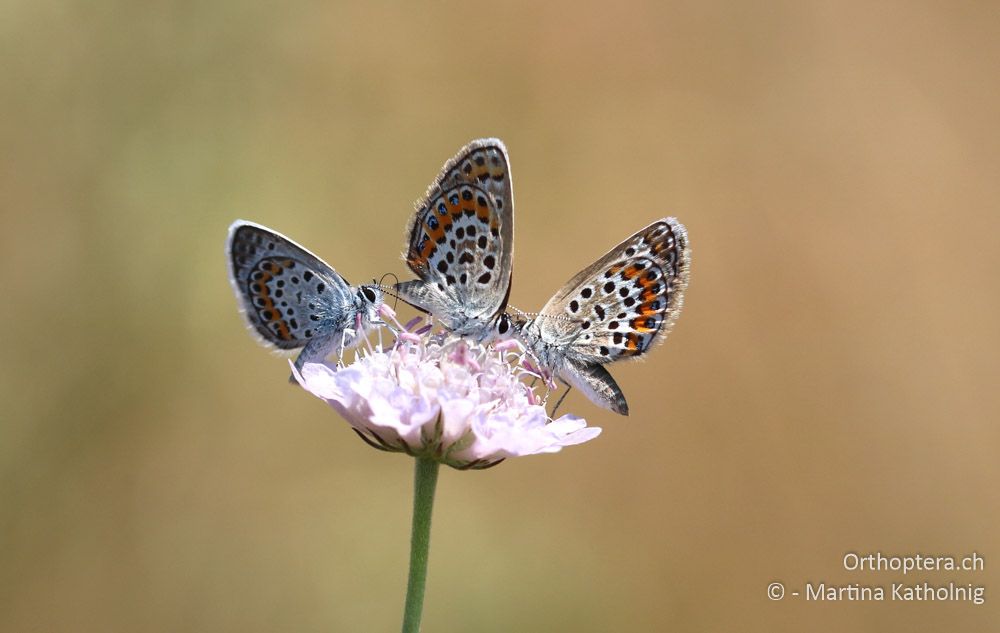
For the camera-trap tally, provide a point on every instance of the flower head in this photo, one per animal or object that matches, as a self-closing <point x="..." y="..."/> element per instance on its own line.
<point x="445" y="398"/>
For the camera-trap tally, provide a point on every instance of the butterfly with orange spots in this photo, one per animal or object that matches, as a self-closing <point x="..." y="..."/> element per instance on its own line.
<point x="616" y="308"/>
<point x="292" y="299"/>
<point x="461" y="241"/>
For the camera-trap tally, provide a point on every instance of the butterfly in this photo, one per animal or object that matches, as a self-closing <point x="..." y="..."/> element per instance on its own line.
<point x="618" y="307"/>
<point x="460" y="243"/>
<point x="293" y="299"/>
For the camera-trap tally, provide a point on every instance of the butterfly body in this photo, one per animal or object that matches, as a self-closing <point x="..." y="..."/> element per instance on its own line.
<point x="617" y="308"/>
<point x="460" y="243"/>
<point x="292" y="299"/>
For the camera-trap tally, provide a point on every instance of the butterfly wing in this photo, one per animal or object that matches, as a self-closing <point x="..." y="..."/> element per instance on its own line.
<point x="626" y="301"/>
<point x="288" y="296"/>
<point x="618" y="307"/>
<point x="460" y="240"/>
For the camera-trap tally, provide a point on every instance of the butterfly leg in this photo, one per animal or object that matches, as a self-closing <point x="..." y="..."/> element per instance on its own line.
<point x="347" y="334"/>
<point x="559" y="402"/>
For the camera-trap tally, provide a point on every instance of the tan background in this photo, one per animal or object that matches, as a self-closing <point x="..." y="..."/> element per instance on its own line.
<point x="830" y="387"/>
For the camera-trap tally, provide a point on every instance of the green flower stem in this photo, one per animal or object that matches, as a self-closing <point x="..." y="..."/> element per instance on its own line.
<point x="425" y="480"/>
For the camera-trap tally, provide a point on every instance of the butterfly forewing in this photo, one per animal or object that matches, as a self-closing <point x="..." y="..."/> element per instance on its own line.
<point x="288" y="295"/>
<point x="461" y="240"/>
<point x="626" y="301"/>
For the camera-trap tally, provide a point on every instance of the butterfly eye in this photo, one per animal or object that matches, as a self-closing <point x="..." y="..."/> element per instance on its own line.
<point x="503" y="324"/>
<point x="368" y="294"/>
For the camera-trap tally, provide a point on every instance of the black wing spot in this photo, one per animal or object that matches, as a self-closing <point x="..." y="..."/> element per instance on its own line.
<point x="604" y="351"/>
<point x="450" y="256"/>
<point x="623" y="292"/>
<point x="320" y="287"/>
<point x="442" y="266"/>
<point x="465" y="258"/>
<point x="449" y="280"/>
<point x="460" y="233"/>
<point x="466" y="195"/>
<point x="308" y="275"/>
<point x="599" y="311"/>
<point x="574" y="305"/>
<point x="484" y="279"/>
<point x="483" y="241"/>
<point x="609" y="287"/>
<point x="586" y="325"/>
<point x="613" y="325"/>
<point x="586" y="293"/>
<point x="489" y="261"/>
<point x="464" y="279"/>
<point x="629" y="302"/>
<point x="617" y="338"/>
<point x="630" y="251"/>
<point x="481" y="201"/>
<point x="471" y="231"/>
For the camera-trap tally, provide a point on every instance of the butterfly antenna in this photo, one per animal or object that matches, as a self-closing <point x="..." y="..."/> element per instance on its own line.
<point x="522" y="313"/>
<point x="381" y="285"/>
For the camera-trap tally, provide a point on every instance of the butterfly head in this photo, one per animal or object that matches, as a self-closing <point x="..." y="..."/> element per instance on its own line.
<point x="368" y="299"/>
<point x="504" y="327"/>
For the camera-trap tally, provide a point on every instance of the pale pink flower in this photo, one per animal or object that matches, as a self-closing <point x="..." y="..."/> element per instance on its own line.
<point x="445" y="398"/>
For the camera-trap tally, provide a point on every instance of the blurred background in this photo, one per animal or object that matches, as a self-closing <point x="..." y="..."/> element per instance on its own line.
<point x="830" y="387"/>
